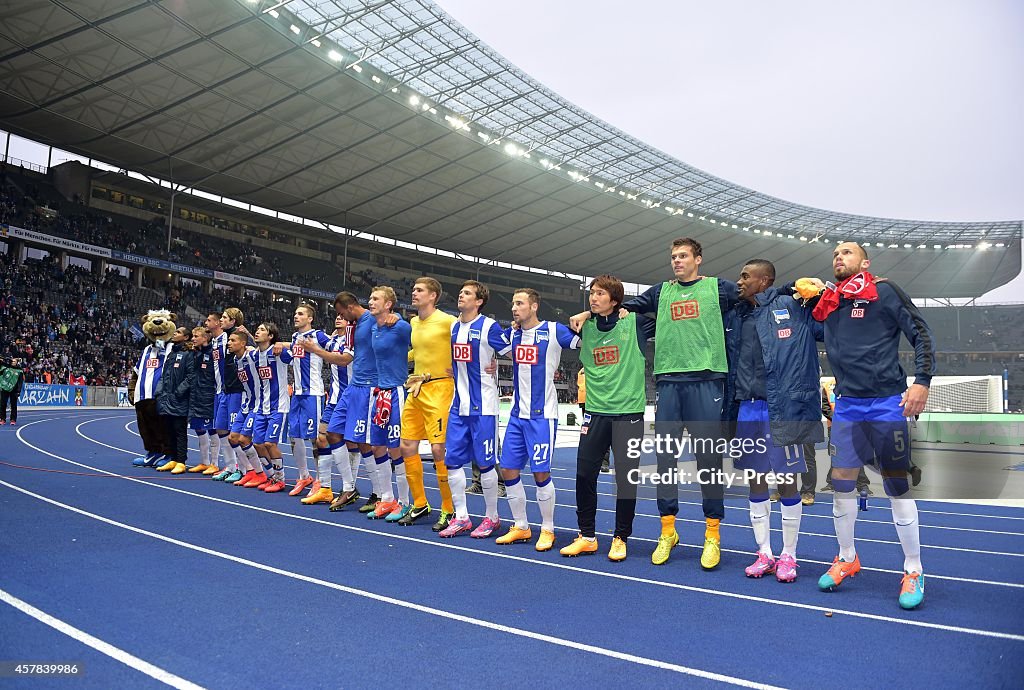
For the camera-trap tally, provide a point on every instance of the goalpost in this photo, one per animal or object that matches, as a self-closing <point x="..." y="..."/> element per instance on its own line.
<point x="965" y="394"/>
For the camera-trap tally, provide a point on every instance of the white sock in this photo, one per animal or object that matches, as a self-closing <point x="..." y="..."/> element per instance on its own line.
<point x="323" y="471"/>
<point x="354" y="458"/>
<point x="844" y="512"/>
<point x="489" y="484"/>
<point x="204" y="449"/>
<point x="904" y="515"/>
<point x="371" y="471"/>
<point x="384" y="478"/>
<point x="266" y="466"/>
<point x="215" y="449"/>
<point x="457" y="483"/>
<point x="546" y="501"/>
<point x="791" y="527"/>
<point x="254" y="463"/>
<point x="516" y="495"/>
<point x="278" y="465"/>
<point x="344" y="465"/>
<point x="760" y="518"/>
<point x="238" y="457"/>
<point x="401" y="480"/>
<point x="299" y="454"/>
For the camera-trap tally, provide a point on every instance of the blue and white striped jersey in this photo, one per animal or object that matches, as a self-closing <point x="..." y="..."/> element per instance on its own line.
<point x="272" y="370"/>
<point x="149" y="368"/>
<point x="249" y="376"/>
<point x="474" y="346"/>
<point x="307" y="368"/>
<point x="219" y="353"/>
<point x="535" y="356"/>
<point x="340" y="373"/>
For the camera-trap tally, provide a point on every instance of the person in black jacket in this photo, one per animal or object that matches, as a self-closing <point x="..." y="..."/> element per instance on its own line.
<point x="774" y="374"/>
<point x="200" y="399"/>
<point x="172" y="399"/>
<point x="864" y="318"/>
<point x="12" y="394"/>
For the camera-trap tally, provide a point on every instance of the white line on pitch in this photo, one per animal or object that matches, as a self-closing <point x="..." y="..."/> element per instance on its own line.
<point x="569" y="475"/>
<point x="724" y="524"/>
<point x="561" y="566"/>
<point x="440" y="613"/>
<point x="85" y="638"/>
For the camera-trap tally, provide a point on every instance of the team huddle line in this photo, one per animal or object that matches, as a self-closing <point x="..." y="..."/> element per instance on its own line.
<point x="736" y="360"/>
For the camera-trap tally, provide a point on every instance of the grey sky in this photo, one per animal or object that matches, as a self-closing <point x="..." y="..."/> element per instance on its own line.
<point x="906" y="109"/>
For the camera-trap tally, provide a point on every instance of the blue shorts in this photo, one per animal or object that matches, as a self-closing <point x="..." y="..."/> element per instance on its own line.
<point x="200" y="425"/>
<point x="325" y="418"/>
<point x="305" y="415"/>
<point x="217" y="397"/>
<point x="228" y="403"/>
<point x="754" y="431"/>
<point x="528" y="440"/>
<point x="270" y="428"/>
<point x="389" y="435"/>
<point x="352" y="415"/>
<point x="469" y="438"/>
<point x="870" y="431"/>
<point x="244" y="423"/>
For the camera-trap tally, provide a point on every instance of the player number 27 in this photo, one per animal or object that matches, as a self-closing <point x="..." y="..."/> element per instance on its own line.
<point x="540" y="451"/>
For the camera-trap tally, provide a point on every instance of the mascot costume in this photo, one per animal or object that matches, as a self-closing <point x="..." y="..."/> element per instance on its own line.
<point x="158" y="325"/>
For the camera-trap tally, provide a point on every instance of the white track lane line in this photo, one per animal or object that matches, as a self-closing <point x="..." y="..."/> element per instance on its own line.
<point x="932" y="575"/>
<point x="440" y="613"/>
<point x="548" y="564"/>
<point x="115" y="653"/>
<point x="566" y="475"/>
<point x="748" y="527"/>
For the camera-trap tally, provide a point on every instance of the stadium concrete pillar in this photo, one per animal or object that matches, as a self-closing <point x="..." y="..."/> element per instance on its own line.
<point x="64" y="260"/>
<point x="16" y="250"/>
<point x="207" y="286"/>
<point x="99" y="267"/>
<point x="137" y="276"/>
<point x="239" y="291"/>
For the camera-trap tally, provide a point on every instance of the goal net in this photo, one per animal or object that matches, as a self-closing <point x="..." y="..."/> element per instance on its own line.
<point x="965" y="394"/>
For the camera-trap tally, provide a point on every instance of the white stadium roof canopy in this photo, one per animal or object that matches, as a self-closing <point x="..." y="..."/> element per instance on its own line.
<point x="391" y="118"/>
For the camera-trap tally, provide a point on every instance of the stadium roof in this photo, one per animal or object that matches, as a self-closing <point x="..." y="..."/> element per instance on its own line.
<point x="391" y="118"/>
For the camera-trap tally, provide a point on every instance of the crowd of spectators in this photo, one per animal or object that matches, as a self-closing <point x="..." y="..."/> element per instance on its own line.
<point x="64" y="325"/>
<point x="69" y="323"/>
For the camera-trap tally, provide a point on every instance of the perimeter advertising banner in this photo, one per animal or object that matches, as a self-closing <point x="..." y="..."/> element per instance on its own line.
<point x="52" y="395"/>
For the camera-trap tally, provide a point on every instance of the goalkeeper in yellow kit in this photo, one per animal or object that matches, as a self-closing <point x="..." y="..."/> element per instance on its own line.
<point x="431" y="389"/>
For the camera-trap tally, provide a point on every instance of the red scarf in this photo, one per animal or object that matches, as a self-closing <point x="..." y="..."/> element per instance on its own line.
<point x="860" y="286"/>
<point x="382" y="406"/>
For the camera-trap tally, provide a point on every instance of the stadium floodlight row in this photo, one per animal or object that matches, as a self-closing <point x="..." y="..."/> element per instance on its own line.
<point x="438" y="61"/>
<point x="390" y="120"/>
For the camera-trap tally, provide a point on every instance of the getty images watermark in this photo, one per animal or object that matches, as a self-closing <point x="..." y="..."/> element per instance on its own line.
<point x="677" y="447"/>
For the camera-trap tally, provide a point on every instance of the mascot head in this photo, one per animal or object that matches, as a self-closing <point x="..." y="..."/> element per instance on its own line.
<point x="158" y="325"/>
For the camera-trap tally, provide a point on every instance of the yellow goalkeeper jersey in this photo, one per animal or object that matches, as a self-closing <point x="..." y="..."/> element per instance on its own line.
<point x="432" y="344"/>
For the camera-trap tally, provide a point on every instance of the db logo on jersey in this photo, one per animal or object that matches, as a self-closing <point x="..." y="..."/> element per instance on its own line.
<point x="856" y="313"/>
<point x="243" y="376"/>
<point x="462" y="352"/>
<point x="603" y="356"/>
<point x="152" y="363"/>
<point x="298" y="350"/>
<point x="526" y="354"/>
<point x="785" y="332"/>
<point x="266" y="373"/>
<point x="685" y="310"/>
